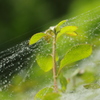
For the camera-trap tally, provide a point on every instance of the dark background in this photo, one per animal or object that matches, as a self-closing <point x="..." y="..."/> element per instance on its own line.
<point x="20" y="19"/>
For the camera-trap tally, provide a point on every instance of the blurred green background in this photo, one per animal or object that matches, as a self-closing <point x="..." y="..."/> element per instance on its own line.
<point x="20" y="19"/>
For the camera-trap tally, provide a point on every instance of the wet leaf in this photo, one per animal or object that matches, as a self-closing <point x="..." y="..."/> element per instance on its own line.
<point x="59" y="25"/>
<point x="45" y="62"/>
<point x="40" y="95"/>
<point x="36" y="37"/>
<point x="76" y="53"/>
<point x="52" y="96"/>
<point x="63" y="82"/>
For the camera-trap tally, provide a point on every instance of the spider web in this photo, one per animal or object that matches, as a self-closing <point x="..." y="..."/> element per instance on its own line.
<point x="20" y="59"/>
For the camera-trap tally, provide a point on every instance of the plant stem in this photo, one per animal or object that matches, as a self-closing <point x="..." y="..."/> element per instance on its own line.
<point x="54" y="63"/>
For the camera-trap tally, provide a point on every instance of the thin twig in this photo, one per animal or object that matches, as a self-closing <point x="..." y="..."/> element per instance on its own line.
<point x="54" y="63"/>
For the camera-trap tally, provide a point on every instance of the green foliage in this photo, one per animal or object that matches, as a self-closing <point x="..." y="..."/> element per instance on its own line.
<point x="58" y="26"/>
<point x="68" y="30"/>
<point x="48" y="62"/>
<point x="45" y="91"/>
<point x="47" y="94"/>
<point x="92" y="86"/>
<point x="52" y="96"/>
<point x="36" y="38"/>
<point x="91" y="77"/>
<point x="76" y="53"/>
<point x="45" y="62"/>
<point x="63" y="82"/>
<point x="23" y="19"/>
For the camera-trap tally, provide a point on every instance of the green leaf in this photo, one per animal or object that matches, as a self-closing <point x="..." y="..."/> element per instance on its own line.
<point x="58" y="35"/>
<point x="63" y="82"/>
<point x="36" y="37"/>
<point x="52" y="96"/>
<point x="59" y="25"/>
<point x="72" y="33"/>
<point x="69" y="30"/>
<point x="92" y="86"/>
<point x="45" y="62"/>
<point x="76" y="53"/>
<point x="91" y="77"/>
<point x="40" y="95"/>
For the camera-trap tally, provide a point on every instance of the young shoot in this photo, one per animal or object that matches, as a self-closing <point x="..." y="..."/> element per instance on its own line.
<point x="49" y="62"/>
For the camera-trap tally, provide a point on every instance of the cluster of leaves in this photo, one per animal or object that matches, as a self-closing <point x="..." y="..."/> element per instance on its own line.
<point x="75" y="53"/>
